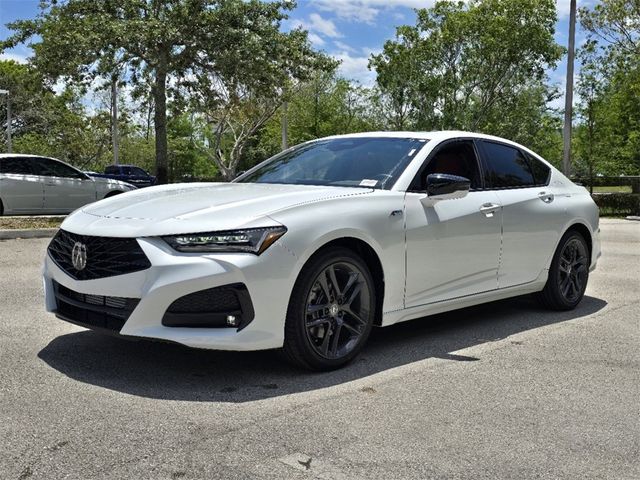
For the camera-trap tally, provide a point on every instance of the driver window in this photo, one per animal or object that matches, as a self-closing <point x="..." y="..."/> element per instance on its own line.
<point x="52" y="168"/>
<point x="457" y="158"/>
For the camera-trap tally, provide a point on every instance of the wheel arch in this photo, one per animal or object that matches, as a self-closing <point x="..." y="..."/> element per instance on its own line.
<point x="583" y="228"/>
<point x="371" y="258"/>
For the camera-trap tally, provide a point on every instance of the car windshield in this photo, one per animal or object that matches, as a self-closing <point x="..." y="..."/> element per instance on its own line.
<point x="374" y="162"/>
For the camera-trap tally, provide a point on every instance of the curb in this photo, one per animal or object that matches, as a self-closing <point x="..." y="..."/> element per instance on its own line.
<point x="30" y="233"/>
<point x="634" y="218"/>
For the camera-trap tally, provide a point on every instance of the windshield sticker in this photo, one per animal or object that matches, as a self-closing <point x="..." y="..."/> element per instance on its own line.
<point x="368" y="183"/>
<point x="412" y="152"/>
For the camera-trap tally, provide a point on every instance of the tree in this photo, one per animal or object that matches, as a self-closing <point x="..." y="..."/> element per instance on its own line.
<point x="324" y="105"/>
<point x="49" y="124"/>
<point x="158" y="40"/>
<point x="238" y="100"/>
<point x="465" y="66"/>
<point x="611" y="129"/>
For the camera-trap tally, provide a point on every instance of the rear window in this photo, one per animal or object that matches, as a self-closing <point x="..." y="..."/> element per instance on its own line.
<point x="507" y="167"/>
<point x="16" y="166"/>
<point x="112" y="170"/>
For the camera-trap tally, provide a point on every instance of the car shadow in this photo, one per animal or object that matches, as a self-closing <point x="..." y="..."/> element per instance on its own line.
<point x="173" y="372"/>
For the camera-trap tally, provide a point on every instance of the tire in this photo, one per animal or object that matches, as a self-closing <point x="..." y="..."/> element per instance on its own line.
<point x="325" y="327"/>
<point x="568" y="274"/>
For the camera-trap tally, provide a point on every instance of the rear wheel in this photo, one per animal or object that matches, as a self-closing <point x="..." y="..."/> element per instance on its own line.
<point x="331" y="311"/>
<point x="568" y="274"/>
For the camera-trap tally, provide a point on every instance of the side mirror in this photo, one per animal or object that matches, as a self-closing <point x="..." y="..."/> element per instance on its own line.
<point x="442" y="186"/>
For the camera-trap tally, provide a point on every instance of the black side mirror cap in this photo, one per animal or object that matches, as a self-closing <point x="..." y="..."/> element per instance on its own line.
<point x="443" y="186"/>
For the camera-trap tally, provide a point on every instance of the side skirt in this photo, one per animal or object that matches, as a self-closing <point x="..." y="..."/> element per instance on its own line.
<point x="397" y="316"/>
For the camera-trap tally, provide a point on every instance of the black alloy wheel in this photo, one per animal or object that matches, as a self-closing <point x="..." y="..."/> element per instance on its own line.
<point x="331" y="311"/>
<point x="568" y="274"/>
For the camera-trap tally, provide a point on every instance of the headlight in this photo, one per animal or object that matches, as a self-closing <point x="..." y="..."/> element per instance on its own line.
<point x="250" y="240"/>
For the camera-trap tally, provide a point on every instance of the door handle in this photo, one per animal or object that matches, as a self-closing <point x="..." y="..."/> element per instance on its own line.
<point x="488" y="209"/>
<point x="546" y="197"/>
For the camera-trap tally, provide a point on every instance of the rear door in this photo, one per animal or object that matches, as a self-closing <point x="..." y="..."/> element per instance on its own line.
<point x="65" y="188"/>
<point x="20" y="190"/>
<point x="531" y="215"/>
<point x="453" y="246"/>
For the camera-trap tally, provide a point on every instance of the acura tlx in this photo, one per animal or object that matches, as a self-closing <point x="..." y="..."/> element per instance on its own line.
<point x="310" y="249"/>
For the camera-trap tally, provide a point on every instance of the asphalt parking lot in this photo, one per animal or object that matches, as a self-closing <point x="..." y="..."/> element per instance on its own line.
<point x="505" y="390"/>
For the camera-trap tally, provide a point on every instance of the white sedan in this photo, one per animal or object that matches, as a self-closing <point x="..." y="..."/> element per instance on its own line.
<point x="312" y="248"/>
<point x="30" y="184"/>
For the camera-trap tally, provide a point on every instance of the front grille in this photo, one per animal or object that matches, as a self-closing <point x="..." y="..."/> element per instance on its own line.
<point x="105" y="256"/>
<point x="93" y="310"/>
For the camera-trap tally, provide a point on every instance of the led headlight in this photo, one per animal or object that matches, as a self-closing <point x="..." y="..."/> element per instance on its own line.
<point x="250" y="240"/>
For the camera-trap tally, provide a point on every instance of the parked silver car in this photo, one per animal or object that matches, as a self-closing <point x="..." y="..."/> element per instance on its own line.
<point x="31" y="184"/>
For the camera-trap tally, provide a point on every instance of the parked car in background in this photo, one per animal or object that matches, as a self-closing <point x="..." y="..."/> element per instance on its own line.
<point x="30" y="184"/>
<point x="127" y="173"/>
<point x="310" y="249"/>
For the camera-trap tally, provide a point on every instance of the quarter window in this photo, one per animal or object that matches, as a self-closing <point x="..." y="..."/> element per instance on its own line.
<point x="540" y="171"/>
<point x="507" y="167"/>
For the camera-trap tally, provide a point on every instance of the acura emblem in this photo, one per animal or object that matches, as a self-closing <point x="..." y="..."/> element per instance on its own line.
<point x="79" y="256"/>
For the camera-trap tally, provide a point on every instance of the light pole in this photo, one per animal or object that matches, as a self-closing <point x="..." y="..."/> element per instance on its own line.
<point x="6" y="92"/>
<point x="568" y="99"/>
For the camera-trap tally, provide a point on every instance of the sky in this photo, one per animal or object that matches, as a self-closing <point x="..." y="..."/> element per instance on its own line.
<point x="349" y="30"/>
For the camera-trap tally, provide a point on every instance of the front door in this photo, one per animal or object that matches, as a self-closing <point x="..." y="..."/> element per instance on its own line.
<point x="453" y="246"/>
<point x="65" y="188"/>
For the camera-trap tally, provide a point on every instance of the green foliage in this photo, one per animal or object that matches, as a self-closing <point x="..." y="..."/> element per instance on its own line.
<point x="324" y="105"/>
<point x="48" y="124"/>
<point x="477" y="66"/>
<point x="608" y="139"/>
<point x="617" y="204"/>
<point x="234" y="48"/>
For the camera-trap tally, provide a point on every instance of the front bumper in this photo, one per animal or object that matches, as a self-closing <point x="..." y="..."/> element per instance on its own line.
<point x="269" y="280"/>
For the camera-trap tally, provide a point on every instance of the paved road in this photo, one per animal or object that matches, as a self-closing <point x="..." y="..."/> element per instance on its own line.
<point x="506" y="390"/>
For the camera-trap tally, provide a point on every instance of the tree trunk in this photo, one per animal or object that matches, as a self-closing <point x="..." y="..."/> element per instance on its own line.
<point x="285" y="127"/>
<point x="160" y="119"/>
<point x="114" y="119"/>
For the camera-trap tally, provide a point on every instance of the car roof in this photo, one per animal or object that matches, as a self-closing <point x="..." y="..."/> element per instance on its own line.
<point x="429" y="135"/>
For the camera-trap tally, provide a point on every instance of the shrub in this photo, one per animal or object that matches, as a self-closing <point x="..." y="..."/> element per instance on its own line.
<point x="618" y="204"/>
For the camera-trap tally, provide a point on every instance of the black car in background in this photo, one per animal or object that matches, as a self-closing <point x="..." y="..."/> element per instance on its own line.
<point x="127" y="173"/>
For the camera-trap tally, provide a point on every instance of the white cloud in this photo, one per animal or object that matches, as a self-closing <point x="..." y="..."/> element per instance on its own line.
<point x="321" y="25"/>
<point x="366" y="11"/>
<point x="355" y="67"/>
<point x="564" y="6"/>
<point x="343" y="46"/>
<point x="316" y="39"/>
<point x="16" y="57"/>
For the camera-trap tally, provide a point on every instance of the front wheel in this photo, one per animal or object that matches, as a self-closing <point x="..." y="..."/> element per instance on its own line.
<point x="568" y="274"/>
<point x="331" y="311"/>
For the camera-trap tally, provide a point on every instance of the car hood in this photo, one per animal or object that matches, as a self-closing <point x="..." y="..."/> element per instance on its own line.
<point x="199" y="207"/>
